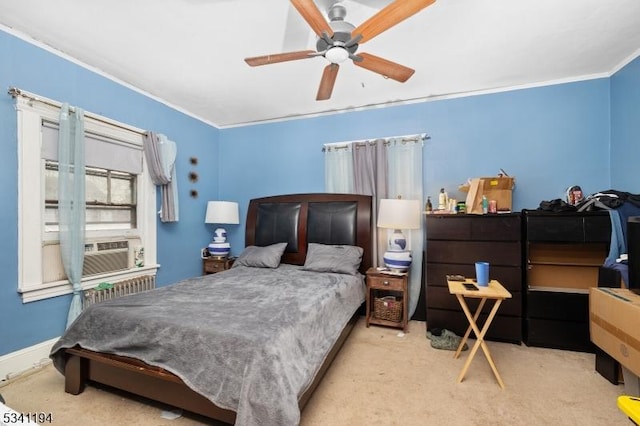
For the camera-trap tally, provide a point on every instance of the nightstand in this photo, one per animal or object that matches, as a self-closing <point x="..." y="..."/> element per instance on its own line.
<point x="211" y="265"/>
<point x="386" y="299"/>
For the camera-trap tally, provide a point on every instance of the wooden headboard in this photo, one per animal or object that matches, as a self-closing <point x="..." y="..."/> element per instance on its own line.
<point x="300" y="219"/>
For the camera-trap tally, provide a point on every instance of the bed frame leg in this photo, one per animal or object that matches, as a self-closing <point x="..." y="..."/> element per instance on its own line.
<point x="75" y="373"/>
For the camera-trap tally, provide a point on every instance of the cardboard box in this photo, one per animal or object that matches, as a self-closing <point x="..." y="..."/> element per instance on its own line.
<point x="614" y="315"/>
<point x="496" y="188"/>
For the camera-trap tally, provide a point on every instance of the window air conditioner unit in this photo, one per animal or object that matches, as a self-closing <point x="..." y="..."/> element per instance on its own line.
<point x="105" y="257"/>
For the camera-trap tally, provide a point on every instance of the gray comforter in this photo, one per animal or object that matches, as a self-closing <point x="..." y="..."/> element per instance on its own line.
<point x="249" y="339"/>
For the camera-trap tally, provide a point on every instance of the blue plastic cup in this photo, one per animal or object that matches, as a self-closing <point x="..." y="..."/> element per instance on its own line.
<point x="482" y="273"/>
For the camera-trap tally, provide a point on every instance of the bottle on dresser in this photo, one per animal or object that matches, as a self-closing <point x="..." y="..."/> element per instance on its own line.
<point x="443" y="200"/>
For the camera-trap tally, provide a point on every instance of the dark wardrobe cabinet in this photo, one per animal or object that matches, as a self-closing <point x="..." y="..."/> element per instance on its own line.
<point x="563" y="254"/>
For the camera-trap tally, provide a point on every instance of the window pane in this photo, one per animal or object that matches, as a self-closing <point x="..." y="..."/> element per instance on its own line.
<point x="51" y="218"/>
<point x="51" y="183"/>
<point x="113" y="191"/>
<point x="121" y="190"/>
<point x="96" y="188"/>
<point x="109" y="218"/>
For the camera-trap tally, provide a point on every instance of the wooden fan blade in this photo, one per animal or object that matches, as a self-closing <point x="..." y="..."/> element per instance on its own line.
<point x="394" y="13"/>
<point x="280" y="57"/>
<point x="328" y="80"/>
<point x="384" y="67"/>
<point x="313" y="16"/>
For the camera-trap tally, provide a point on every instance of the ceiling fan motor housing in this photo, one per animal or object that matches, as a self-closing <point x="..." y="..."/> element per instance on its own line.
<point x="341" y="30"/>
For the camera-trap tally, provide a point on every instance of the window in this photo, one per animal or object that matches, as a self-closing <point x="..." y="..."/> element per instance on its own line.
<point x="110" y="199"/>
<point x="120" y="201"/>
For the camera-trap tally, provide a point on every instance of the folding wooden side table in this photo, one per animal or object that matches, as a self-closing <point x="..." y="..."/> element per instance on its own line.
<point x="494" y="291"/>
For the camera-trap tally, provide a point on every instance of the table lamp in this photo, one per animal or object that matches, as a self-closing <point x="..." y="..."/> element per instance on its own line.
<point x="221" y="213"/>
<point x="398" y="214"/>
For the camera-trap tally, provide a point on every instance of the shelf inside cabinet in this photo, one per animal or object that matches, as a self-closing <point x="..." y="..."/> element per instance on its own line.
<point x="587" y="254"/>
<point x="563" y="265"/>
<point x="562" y="276"/>
<point x="559" y="290"/>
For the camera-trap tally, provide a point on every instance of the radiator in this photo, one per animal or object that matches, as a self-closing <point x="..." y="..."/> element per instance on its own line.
<point x="118" y="289"/>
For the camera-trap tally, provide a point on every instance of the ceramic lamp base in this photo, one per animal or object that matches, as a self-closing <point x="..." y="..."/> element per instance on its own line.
<point x="219" y="249"/>
<point x="397" y="260"/>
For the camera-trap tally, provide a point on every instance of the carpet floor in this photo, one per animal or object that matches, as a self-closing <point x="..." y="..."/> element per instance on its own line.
<point x="383" y="377"/>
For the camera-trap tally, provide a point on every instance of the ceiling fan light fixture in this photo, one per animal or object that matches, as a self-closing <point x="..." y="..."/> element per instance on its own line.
<point x="336" y="55"/>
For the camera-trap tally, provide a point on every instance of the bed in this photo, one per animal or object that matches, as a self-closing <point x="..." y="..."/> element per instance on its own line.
<point x="253" y="341"/>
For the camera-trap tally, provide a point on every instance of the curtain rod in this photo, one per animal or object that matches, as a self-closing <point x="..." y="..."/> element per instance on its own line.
<point x="345" y="145"/>
<point x="15" y="92"/>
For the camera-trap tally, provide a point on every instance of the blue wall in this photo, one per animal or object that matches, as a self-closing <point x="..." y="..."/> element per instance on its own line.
<point x="548" y="138"/>
<point x="33" y="69"/>
<point x="625" y="128"/>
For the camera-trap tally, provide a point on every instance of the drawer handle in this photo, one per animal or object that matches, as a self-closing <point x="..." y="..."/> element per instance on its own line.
<point x="386" y="282"/>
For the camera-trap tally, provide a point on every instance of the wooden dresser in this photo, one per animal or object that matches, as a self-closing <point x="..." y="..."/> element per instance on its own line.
<point x="453" y="244"/>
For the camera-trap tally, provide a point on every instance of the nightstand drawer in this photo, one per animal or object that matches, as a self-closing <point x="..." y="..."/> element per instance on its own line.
<point x="213" y="267"/>
<point x="386" y="282"/>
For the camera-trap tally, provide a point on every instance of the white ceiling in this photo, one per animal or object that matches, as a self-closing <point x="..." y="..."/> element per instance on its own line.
<point x="189" y="53"/>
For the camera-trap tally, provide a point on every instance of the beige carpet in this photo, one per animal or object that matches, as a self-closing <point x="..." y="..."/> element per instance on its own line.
<point x="384" y="378"/>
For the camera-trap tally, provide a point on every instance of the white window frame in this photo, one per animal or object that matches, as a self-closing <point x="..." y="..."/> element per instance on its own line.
<point x="31" y="111"/>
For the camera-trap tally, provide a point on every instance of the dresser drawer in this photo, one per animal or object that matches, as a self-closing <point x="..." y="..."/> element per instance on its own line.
<point x="440" y="298"/>
<point x="503" y="227"/>
<point x="595" y="227"/>
<point x="386" y="282"/>
<point x="503" y="328"/>
<point x="506" y="253"/>
<point x="509" y="276"/>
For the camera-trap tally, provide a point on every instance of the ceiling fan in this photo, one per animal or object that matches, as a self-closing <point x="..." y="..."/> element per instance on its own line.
<point x="339" y="40"/>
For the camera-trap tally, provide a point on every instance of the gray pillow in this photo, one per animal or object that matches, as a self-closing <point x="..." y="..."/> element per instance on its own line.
<point x="261" y="257"/>
<point x="342" y="259"/>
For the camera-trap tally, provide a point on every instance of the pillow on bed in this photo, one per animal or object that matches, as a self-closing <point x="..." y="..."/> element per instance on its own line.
<point x="261" y="257"/>
<point x="342" y="259"/>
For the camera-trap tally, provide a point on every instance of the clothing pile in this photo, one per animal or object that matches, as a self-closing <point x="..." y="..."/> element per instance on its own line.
<point x="603" y="200"/>
<point x="621" y="205"/>
<point x="445" y="339"/>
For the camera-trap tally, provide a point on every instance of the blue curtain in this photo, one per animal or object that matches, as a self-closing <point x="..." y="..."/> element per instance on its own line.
<point x="71" y="201"/>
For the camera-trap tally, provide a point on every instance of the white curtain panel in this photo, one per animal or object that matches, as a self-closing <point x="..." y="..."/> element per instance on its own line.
<point x="405" y="180"/>
<point x="338" y="168"/>
<point x="403" y="177"/>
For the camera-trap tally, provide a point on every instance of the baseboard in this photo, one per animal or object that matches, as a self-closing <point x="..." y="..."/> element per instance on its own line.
<point x="17" y="363"/>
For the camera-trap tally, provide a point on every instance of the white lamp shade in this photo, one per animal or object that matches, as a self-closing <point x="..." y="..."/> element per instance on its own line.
<point x="222" y="212"/>
<point x="399" y="214"/>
